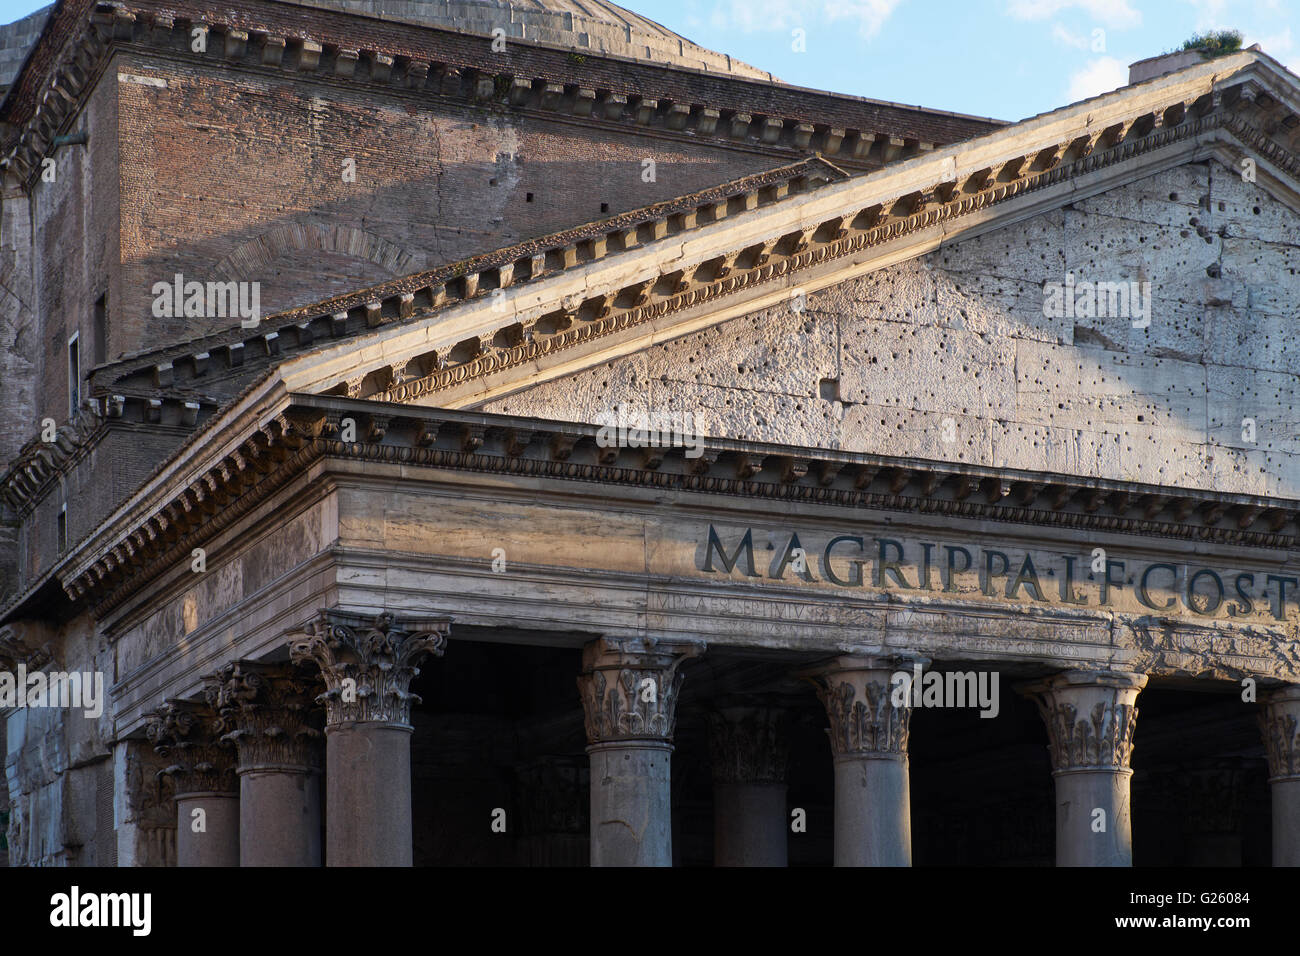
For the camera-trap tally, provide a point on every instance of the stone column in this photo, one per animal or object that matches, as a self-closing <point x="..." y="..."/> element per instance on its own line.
<point x="367" y="664"/>
<point x="750" y="752"/>
<point x="1280" y="724"/>
<point x="1090" y="717"/>
<point x="629" y="694"/>
<point x="873" y="811"/>
<point x="1213" y="793"/>
<point x="267" y="711"/>
<point x="187" y="734"/>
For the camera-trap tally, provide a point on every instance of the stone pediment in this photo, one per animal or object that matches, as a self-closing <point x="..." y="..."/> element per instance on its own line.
<point x="691" y="271"/>
<point x="1141" y="334"/>
<point x="486" y="327"/>
<point x="512" y="321"/>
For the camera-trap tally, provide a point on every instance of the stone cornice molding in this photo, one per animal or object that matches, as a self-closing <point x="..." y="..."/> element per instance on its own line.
<point x="40" y="465"/>
<point x="1090" y="716"/>
<point x="630" y="688"/>
<point x="222" y="494"/>
<point x="368" y="663"/>
<point x="336" y="48"/>
<point x="189" y="736"/>
<point x="1279" y="722"/>
<point x="773" y="263"/>
<point x="268" y="712"/>
<point x="221" y="488"/>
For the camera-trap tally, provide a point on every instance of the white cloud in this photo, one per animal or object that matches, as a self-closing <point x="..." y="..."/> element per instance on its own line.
<point x="751" y="16"/>
<point x="1076" y="40"/>
<point x="1100" y="76"/>
<point x="1116" y="14"/>
<point x="1209" y="13"/>
<point x="1277" y="45"/>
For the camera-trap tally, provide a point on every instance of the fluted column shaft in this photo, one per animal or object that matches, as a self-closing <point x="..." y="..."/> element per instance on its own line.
<point x="868" y="732"/>
<point x="629" y="692"/>
<point x="1091" y="717"/>
<point x="1280" y="723"/>
<point x="367" y="664"/>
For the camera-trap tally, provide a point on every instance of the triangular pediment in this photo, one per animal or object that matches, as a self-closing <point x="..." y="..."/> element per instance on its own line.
<point x="1180" y="290"/>
<point x="477" y="333"/>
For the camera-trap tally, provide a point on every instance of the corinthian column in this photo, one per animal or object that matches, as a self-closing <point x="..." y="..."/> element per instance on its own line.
<point x="266" y="710"/>
<point x="873" y="811"/>
<point x="1090" y="717"/>
<point x="629" y="694"/>
<point x="1280" y="724"/>
<point x="187" y="735"/>
<point x="367" y="664"/>
<point x="750" y="753"/>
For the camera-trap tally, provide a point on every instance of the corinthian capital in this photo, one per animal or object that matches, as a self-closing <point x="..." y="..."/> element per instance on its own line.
<point x="749" y="744"/>
<point x="368" y="662"/>
<point x="629" y="688"/>
<point x="268" y="712"/>
<point x="1090" y="717"/>
<point x="1279" y="722"/>
<point x="857" y="693"/>
<point x="187" y="734"/>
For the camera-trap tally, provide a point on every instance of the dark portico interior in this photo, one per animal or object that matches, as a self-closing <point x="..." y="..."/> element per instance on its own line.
<point x="501" y="728"/>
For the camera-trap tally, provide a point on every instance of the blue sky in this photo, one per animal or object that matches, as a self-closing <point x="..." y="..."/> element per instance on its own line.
<point x="1003" y="58"/>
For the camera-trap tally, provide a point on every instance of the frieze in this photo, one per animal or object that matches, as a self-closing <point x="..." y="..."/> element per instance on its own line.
<point x="299" y="436"/>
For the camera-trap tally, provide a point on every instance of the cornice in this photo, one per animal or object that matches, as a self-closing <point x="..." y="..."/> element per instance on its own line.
<point x="308" y="428"/>
<point x="40" y="464"/>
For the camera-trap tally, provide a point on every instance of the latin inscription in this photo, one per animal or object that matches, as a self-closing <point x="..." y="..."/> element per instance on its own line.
<point x="1096" y="579"/>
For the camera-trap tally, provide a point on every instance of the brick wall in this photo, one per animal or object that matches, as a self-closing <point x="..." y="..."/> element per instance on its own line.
<point x="72" y="253"/>
<point x="124" y="457"/>
<point x="230" y="175"/>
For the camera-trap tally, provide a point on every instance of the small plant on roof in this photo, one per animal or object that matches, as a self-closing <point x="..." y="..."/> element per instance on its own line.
<point x="1214" y="43"/>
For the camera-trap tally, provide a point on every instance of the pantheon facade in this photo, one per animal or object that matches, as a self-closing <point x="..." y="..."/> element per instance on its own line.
<point x="475" y="433"/>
